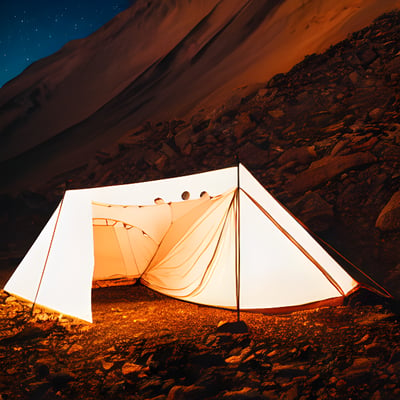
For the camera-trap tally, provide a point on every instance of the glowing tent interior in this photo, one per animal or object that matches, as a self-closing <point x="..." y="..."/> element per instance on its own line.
<point x="232" y="246"/>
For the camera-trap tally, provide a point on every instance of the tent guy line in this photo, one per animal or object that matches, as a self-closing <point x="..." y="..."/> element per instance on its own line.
<point x="236" y="248"/>
<point x="47" y="256"/>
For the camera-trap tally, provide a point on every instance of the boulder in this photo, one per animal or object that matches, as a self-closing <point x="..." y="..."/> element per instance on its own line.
<point x="182" y="138"/>
<point x="314" y="212"/>
<point x="131" y="368"/>
<point x="253" y="156"/>
<point x="276" y="114"/>
<point x="367" y="56"/>
<point x="301" y="155"/>
<point x="244" y="393"/>
<point x="326" y="169"/>
<point x="389" y="217"/>
<point x="354" y="77"/>
<point x="376" y="114"/>
<point x="244" y="124"/>
<point x="359" y="371"/>
<point x="179" y="392"/>
<point x="199" y="122"/>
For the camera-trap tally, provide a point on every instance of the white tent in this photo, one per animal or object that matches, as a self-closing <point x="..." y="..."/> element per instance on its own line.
<point x="230" y="245"/>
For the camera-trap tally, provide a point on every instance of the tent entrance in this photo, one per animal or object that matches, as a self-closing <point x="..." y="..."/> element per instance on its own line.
<point x="125" y="239"/>
<point x="115" y="261"/>
<point x="172" y="248"/>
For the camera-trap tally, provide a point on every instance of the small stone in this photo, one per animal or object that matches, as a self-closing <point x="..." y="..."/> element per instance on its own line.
<point x="233" y="360"/>
<point x="186" y="392"/>
<point x="333" y="380"/>
<point x="376" y="114"/>
<point x="74" y="348"/>
<point x="245" y="393"/>
<point x="363" y="339"/>
<point x="376" y="396"/>
<point x="291" y="394"/>
<point x="130" y="368"/>
<point x="376" y="350"/>
<point x="288" y="370"/>
<point x="276" y="114"/>
<point x="340" y="383"/>
<point x="182" y="138"/>
<point x="10" y="299"/>
<point x="106" y="365"/>
<point x="354" y="77"/>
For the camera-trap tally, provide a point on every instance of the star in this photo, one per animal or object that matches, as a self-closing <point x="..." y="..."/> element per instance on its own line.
<point x="33" y="30"/>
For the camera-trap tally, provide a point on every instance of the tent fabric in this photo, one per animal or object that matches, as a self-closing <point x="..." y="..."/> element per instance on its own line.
<point x="234" y="246"/>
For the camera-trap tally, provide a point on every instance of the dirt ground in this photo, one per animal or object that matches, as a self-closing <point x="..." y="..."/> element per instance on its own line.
<point x="143" y="345"/>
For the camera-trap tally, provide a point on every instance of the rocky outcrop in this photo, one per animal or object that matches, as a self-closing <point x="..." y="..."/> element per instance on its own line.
<point x="327" y="168"/>
<point x="389" y="218"/>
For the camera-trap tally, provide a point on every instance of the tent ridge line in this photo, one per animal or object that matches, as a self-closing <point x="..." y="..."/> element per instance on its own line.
<point x="297" y="244"/>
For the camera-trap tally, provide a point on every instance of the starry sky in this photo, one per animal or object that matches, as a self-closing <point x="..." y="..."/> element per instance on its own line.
<point x="30" y="30"/>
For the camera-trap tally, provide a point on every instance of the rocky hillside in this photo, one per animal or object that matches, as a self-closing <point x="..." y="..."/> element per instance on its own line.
<point x="158" y="59"/>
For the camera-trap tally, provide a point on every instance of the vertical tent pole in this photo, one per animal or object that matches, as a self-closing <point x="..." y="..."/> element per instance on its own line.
<point x="47" y="256"/>
<point x="237" y="244"/>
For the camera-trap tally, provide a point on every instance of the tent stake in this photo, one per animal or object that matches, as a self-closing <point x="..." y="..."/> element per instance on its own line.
<point x="47" y="256"/>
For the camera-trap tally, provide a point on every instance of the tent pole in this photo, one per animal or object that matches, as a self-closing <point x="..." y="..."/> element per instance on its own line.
<point x="47" y="256"/>
<point x="237" y="244"/>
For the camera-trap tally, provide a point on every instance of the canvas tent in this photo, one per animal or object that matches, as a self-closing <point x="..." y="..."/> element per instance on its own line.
<point x="231" y="245"/>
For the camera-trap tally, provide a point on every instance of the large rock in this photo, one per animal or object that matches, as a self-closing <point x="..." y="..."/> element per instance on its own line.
<point x="243" y="125"/>
<point x="300" y="155"/>
<point x="182" y="138"/>
<point x="186" y="392"/>
<point x="314" y="212"/>
<point x="327" y="168"/>
<point x="389" y="218"/>
<point x="359" y="371"/>
<point x="253" y="156"/>
<point x="244" y="393"/>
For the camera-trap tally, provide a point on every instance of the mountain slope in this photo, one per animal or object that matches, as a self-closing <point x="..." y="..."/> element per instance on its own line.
<point x="157" y="60"/>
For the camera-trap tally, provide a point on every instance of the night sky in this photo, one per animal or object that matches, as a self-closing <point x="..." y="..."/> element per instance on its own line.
<point x="30" y="30"/>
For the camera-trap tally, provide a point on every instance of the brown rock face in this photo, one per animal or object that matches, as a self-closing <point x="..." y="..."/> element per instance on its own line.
<point x="389" y="218"/>
<point x="326" y="169"/>
<point x="316" y="213"/>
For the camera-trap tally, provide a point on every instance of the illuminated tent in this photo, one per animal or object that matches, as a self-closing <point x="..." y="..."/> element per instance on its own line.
<point x="231" y="245"/>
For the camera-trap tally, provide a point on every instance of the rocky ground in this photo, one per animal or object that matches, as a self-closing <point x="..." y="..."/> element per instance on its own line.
<point x="143" y="345"/>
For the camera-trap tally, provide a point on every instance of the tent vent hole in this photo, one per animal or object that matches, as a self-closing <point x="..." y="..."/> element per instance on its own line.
<point x="185" y="195"/>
